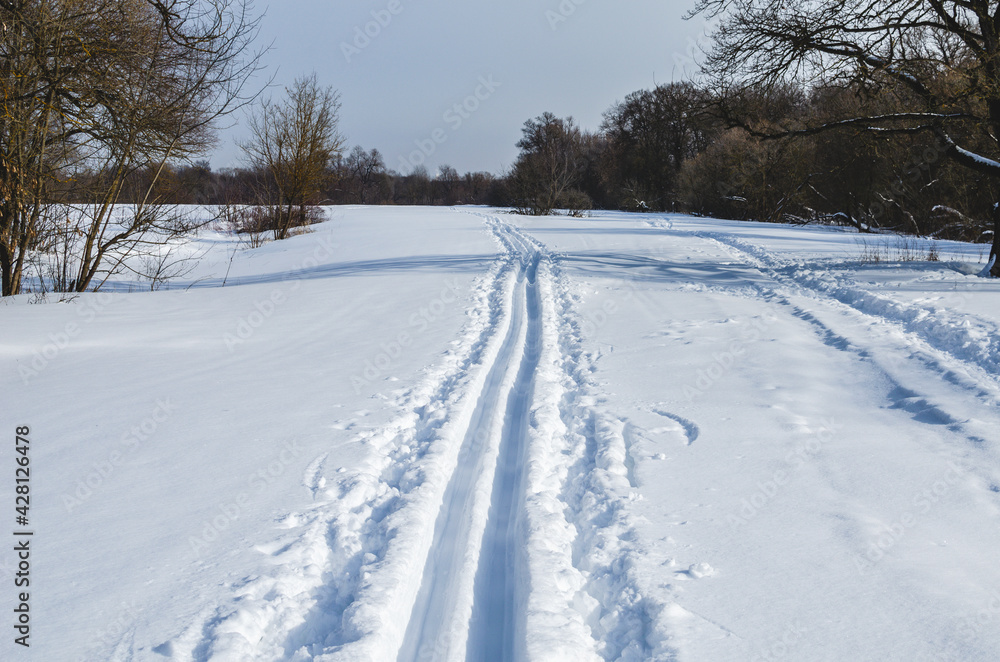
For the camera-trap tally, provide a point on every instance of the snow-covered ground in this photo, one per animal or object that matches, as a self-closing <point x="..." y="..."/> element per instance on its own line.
<point x="457" y="434"/>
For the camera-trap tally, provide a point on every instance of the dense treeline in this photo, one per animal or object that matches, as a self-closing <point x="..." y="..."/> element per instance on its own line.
<point x="912" y="86"/>
<point x="360" y="177"/>
<point x="675" y="148"/>
<point x="679" y="148"/>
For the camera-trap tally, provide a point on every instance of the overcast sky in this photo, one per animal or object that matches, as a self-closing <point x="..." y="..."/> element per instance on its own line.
<point x="499" y="62"/>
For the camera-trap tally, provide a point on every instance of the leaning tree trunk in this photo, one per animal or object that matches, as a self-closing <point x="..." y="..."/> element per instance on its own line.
<point x="995" y="251"/>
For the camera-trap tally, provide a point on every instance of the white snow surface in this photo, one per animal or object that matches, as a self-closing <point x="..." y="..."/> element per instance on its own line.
<point x="459" y="434"/>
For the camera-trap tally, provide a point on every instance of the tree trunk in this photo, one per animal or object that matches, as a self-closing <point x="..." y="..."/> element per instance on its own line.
<point x="6" y="273"/>
<point x="995" y="252"/>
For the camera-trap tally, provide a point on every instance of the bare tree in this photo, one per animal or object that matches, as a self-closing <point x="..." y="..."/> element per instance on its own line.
<point x="652" y="133"/>
<point x="116" y="86"/>
<point x="186" y="75"/>
<point x="365" y="170"/>
<point x="939" y="58"/>
<point x="446" y="183"/>
<point x="294" y="141"/>
<point x="548" y="166"/>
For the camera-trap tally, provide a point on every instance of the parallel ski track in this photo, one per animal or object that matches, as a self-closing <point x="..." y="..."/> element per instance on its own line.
<point x="362" y="535"/>
<point x="465" y="606"/>
<point x="459" y="447"/>
<point x="919" y="350"/>
<point x="573" y="594"/>
<point x="493" y="628"/>
<point x="981" y="361"/>
<point x="488" y="524"/>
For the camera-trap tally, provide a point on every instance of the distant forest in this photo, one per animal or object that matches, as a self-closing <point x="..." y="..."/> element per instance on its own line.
<point x="673" y="148"/>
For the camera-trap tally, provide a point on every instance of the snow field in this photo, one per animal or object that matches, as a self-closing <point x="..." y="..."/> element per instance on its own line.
<point x="808" y="378"/>
<point x="381" y="516"/>
<point x="945" y="324"/>
<point x="424" y="434"/>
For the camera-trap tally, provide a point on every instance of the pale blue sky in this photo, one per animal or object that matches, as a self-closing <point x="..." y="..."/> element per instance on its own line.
<point x="500" y="62"/>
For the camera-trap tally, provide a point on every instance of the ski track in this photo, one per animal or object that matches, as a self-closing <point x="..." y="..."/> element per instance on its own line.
<point x="489" y="521"/>
<point x="574" y="592"/>
<point x="582" y="598"/>
<point x="459" y="576"/>
<point x="956" y="349"/>
<point x="346" y="564"/>
<point x="494" y="628"/>
<point x="962" y="335"/>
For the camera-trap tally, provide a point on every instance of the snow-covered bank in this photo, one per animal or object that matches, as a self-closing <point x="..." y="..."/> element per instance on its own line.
<point x="461" y="434"/>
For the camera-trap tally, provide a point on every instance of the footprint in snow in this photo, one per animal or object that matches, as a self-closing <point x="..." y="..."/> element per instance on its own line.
<point x="696" y="571"/>
<point x="689" y="429"/>
<point x="313" y="478"/>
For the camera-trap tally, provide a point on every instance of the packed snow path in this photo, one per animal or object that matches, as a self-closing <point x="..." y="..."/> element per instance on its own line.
<point x="495" y="612"/>
<point x="440" y="616"/>
<point x="462" y="530"/>
<point x="430" y="434"/>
